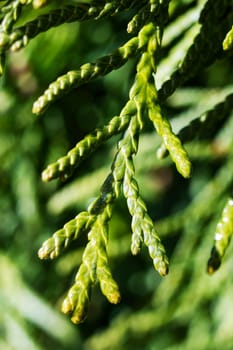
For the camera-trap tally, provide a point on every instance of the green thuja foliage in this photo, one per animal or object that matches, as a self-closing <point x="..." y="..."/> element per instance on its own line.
<point x="223" y="235"/>
<point x="137" y="128"/>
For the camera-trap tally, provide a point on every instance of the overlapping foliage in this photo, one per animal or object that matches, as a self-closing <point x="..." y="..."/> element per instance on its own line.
<point x="164" y="46"/>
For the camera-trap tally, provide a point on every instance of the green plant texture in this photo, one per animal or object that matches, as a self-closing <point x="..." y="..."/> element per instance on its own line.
<point x="136" y="147"/>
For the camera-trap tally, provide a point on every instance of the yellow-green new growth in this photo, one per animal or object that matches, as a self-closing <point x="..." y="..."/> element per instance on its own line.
<point x="228" y="41"/>
<point x="142" y="226"/>
<point x="39" y="3"/>
<point x="95" y="264"/>
<point x="162" y="125"/>
<point x="108" y="285"/>
<point x="78" y="298"/>
<point x="223" y="234"/>
<point x="95" y="267"/>
<point x="205" y="126"/>
<point x="61" y="239"/>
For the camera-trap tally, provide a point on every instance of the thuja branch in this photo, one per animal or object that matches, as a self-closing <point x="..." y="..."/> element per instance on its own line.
<point x="144" y="105"/>
<point x="205" y="126"/>
<point x="94" y="267"/>
<point x="95" y="264"/>
<point x="142" y="225"/>
<point x="215" y="20"/>
<point x="149" y="98"/>
<point x="65" y="166"/>
<point x="86" y="73"/>
<point x="103" y="65"/>
<point x="19" y="37"/>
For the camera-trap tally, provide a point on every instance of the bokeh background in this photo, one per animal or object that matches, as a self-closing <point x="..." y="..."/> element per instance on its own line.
<point x="186" y="310"/>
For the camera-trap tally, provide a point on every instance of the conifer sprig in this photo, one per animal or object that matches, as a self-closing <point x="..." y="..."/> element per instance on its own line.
<point x="223" y="234"/>
<point x="65" y="166"/>
<point x="53" y="246"/>
<point x="84" y="221"/>
<point x="86" y="73"/>
<point x="142" y="226"/>
<point x="108" y="285"/>
<point x="209" y="122"/>
<point x="148" y="18"/>
<point x="94" y="267"/>
<point x="19" y="37"/>
<point x="10" y="13"/>
<point x="162" y="125"/>
<point x="205" y="126"/>
<point x="215" y="20"/>
<point x="103" y="65"/>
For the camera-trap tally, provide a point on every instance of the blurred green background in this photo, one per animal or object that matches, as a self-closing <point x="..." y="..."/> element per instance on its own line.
<point x="186" y="310"/>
